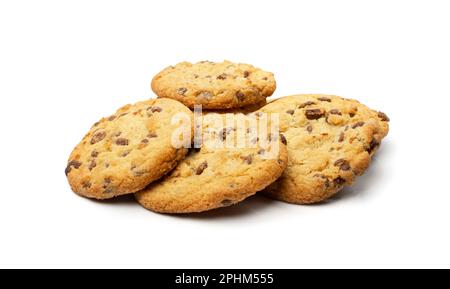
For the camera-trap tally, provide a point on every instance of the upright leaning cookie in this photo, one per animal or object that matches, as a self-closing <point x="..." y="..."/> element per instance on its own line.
<point x="214" y="85"/>
<point x="330" y="141"/>
<point x="214" y="177"/>
<point x="126" y="151"/>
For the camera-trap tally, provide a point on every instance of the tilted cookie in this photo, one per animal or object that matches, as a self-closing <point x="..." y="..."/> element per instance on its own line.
<point x="330" y="141"/>
<point x="123" y="153"/>
<point x="212" y="176"/>
<point x="221" y="85"/>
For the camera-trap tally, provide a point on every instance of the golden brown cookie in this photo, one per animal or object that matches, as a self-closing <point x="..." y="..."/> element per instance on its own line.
<point x="330" y="141"/>
<point x="126" y="151"/>
<point x="214" y="176"/>
<point x="221" y="85"/>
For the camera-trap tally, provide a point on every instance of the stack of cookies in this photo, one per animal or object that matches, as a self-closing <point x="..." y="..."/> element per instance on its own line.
<point x="211" y="140"/>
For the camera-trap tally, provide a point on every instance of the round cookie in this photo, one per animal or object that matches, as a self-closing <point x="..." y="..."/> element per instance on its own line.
<point x="126" y="151"/>
<point x="212" y="176"/>
<point x="330" y="141"/>
<point x="221" y="85"/>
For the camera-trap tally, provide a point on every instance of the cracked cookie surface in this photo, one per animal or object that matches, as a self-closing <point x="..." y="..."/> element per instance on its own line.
<point x="124" y="152"/>
<point x="221" y="85"/>
<point x="330" y="142"/>
<point x="213" y="177"/>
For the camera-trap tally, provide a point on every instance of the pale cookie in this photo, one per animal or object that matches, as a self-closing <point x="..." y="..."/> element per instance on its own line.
<point x="221" y="85"/>
<point x="213" y="177"/>
<point x="330" y="141"/>
<point x="126" y="151"/>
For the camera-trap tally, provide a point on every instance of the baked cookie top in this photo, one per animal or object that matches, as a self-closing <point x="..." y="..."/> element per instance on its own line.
<point x="124" y="152"/>
<point x="330" y="141"/>
<point x="213" y="176"/>
<point x="221" y="85"/>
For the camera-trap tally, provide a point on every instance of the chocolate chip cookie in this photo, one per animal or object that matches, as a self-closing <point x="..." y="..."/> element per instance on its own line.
<point x="330" y="142"/>
<point x="221" y="172"/>
<point x="126" y="151"/>
<point x="221" y="85"/>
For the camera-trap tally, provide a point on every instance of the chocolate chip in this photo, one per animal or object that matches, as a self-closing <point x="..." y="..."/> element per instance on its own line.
<point x="75" y="164"/>
<point x="86" y="184"/>
<point x="152" y="135"/>
<point x="117" y="134"/>
<point x="240" y="96"/>
<point x="383" y="116"/>
<point x="112" y="117"/>
<point x="144" y="140"/>
<point x="325" y="178"/>
<point x="247" y="159"/>
<point x="261" y="151"/>
<point x="342" y="164"/>
<point x="72" y="164"/>
<point x="339" y="181"/>
<point x="315" y="113"/>
<point x="264" y="78"/>
<point x="156" y="109"/>
<point x="305" y="104"/>
<point x="122" y="141"/>
<point x="106" y="181"/>
<point x="182" y="90"/>
<point x="195" y="76"/>
<point x="359" y="123"/>
<point x="125" y="153"/>
<point x="290" y="111"/>
<point x="224" y="132"/>
<point x="324" y="99"/>
<point x="283" y="139"/>
<point x="272" y="137"/>
<point x="373" y="144"/>
<point x="94" y="154"/>
<point x="327" y="183"/>
<point x="309" y="128"/>
<point x="92" y="165"/>
<point x="222" y="76"/>
<point x="199" y="170"/>
<point x="98" y="136"/>
<point x="246" y="74"/>
<point x="335" y="111"/>
<point x="351" y="114"/>
<point x="341" y="137"/>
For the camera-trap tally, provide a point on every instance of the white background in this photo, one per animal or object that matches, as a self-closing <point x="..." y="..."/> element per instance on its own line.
<point x="64" y="64"/>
